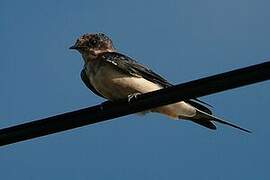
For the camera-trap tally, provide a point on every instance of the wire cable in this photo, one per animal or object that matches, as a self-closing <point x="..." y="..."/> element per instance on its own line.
<point x="110" y="110"/>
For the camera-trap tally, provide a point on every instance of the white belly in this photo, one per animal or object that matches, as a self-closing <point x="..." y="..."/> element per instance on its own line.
<point x="115" y="85"/>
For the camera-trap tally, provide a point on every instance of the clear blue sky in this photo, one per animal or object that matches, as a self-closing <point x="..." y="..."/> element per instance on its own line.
<point x="181" y="40"/>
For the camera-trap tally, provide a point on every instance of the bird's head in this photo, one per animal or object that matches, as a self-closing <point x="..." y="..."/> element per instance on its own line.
<point x="93" y="44"/>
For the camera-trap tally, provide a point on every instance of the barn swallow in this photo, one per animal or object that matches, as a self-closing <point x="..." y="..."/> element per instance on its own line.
<point x="114" y="76"/>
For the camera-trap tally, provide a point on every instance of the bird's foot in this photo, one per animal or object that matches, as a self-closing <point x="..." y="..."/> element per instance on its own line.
<point x="133" y="96"/>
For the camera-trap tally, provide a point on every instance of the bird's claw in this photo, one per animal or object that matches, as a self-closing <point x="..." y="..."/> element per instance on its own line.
<point x="133" y="96"/>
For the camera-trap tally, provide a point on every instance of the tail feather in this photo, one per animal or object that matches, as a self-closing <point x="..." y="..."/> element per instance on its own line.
<point x="205" y="116"/>
<point x="205" y="123"/>
<point x="199" y="106"/>
<point x="200" y="101"/>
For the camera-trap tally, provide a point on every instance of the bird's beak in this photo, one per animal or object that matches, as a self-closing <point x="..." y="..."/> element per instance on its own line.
<point x="73" y="47"/>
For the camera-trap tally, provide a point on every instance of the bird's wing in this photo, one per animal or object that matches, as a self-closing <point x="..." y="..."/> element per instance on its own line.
<point x="130" y="66"/>
<point x="127" y="65"/>
<point x="88" y="84"/>
<point x="197" y="104"/>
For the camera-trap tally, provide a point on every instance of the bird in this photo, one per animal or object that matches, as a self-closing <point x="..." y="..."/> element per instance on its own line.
<point x="113" y="76"/>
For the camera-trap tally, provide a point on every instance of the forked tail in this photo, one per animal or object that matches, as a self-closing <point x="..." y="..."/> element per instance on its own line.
<point x="205" y="119"/>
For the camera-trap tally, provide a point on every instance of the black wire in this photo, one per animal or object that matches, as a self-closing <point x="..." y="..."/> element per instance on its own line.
<point x="109" y="110"/>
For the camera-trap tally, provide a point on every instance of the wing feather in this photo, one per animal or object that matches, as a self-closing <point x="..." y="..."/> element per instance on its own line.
<point x="88" y="84"/>
<point x="131" y="67"/>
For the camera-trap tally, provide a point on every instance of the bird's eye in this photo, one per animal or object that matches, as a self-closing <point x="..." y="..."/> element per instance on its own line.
<point x="93" y="42"/>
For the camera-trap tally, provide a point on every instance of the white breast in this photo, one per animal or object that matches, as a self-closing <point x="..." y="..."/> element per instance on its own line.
<point x="114" y="85"/>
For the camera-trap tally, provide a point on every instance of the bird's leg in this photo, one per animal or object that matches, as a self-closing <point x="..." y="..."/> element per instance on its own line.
<point x="132" y="97"/>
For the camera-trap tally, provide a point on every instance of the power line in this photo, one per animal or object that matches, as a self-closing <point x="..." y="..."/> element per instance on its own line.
<point x="109" y="110"/>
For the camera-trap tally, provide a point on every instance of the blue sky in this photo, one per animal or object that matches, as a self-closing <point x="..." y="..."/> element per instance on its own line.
<point x="181" y="40"/>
